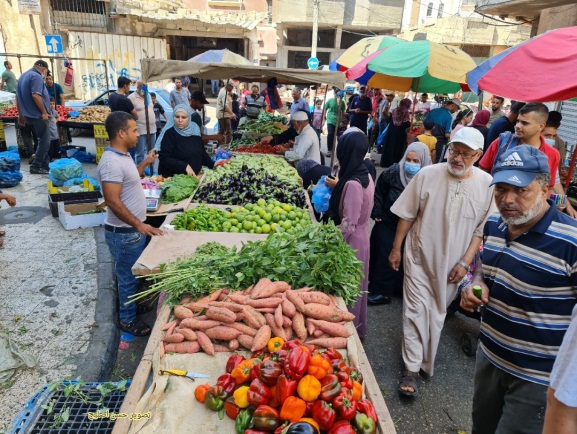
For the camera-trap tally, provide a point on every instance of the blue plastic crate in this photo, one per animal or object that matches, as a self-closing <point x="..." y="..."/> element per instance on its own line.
<point x="33" y="419"/>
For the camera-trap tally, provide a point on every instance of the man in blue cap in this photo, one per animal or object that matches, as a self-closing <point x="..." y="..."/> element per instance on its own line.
<point x="528" y="279"/>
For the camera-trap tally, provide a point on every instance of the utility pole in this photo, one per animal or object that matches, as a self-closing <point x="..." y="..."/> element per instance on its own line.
<point x="314" y="41"/>
<point x="315" y="28"/>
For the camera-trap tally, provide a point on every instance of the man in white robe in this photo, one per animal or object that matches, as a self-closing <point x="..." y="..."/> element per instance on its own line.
<point x="442" y="213"/>
<point x="307" y="146"/>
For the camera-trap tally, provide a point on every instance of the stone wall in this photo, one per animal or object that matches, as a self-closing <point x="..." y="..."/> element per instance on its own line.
<point x="22" y="34"/>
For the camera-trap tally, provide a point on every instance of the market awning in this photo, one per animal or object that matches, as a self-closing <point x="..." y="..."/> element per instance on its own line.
<point x="159" y="69"/>
<point x="176" y="10"/>
<point x="518" y="8"/>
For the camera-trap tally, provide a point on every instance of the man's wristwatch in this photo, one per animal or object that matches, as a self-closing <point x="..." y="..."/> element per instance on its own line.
<point x="465" y="266"/>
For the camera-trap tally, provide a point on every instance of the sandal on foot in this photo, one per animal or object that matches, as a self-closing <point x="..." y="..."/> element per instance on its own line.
<point x="409" y="379"/>
<point x="2" y="233"/>
<point x="136" y="327"/>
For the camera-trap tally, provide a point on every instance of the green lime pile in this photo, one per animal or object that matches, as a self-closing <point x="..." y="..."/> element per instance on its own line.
<point x="265" y="217"/>
<point x="260" y="218"/>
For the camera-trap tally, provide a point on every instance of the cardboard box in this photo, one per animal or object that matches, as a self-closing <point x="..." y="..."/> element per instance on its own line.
<point x="73" y="216"/>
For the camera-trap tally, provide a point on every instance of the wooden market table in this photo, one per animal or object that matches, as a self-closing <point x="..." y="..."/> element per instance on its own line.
<point x="150" y="392"/>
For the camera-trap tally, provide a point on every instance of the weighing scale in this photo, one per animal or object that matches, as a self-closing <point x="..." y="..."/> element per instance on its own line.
<point x="152" y="199"/>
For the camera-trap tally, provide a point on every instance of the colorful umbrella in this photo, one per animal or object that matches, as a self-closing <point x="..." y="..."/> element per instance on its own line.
<point x="221" y="56"/>
<point x="361" y="49"/>
<point x="540" y="69"/>
<point x="419" y="66"/>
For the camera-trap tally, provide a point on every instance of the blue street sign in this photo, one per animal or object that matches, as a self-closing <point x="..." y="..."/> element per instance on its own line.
<point x="313" y="63"/>
<point x="53" y="44"/>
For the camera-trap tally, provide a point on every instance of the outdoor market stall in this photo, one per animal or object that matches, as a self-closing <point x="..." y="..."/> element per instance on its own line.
<point x="170" y="401"/>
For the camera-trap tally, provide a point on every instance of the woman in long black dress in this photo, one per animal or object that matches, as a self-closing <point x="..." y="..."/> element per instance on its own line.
<point x="181" y="146"/>
<point x="396" y="139"/>
<point x="383" y="280"/>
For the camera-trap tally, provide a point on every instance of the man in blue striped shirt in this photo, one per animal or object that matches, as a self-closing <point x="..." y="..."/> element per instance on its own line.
<point x="529" y="288"/>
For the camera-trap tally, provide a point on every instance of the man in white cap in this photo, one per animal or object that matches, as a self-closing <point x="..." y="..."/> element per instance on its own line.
<point x="442" y="212"/>
<point x="306" y="145"/>
<point x="224" y="112"/>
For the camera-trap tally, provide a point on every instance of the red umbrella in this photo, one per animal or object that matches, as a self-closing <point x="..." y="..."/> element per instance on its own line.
<point x="540" y="69"/>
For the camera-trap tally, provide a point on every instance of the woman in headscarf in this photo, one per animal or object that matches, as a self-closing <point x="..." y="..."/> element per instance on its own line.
<point x="397" y="135"/>
<point x="383" y="280"/>
<point x="310" y="171"/>
<point x="350" y="208"/>
<point x="480" y="123"/>
<point x="181" y="147"/>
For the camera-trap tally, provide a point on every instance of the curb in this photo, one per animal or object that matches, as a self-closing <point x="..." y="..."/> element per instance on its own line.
<point x="97" y="362"/>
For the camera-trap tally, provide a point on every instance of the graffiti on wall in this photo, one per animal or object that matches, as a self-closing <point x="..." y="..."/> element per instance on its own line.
<point x="107" y="58"/>
<point x="96" y="81"/>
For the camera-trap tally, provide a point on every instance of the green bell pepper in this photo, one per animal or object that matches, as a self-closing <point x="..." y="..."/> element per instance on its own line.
<point x="364" y="424"/>
<point x="243" y="420"/>
<point x="215" y="397"/>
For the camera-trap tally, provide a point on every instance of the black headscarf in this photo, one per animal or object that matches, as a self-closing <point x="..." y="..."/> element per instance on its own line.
<point x="351" y="150"/>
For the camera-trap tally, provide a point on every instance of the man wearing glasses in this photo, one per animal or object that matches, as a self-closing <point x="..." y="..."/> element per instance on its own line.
<point x="442" y="212"/>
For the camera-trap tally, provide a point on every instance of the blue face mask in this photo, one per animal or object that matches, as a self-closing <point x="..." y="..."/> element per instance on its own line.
<point x="550" y="142"/>
<point x="412" y="168"/>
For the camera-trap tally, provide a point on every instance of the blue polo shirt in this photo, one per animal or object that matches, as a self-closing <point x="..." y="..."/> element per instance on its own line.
<point x="442" y="117"/>
<point x="32" y="82"/>
<point x="532" y="284"/>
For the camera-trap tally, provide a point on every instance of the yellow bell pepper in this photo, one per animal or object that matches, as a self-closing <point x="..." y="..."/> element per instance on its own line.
<point x="275" y="344"/>
<point x="240" y="397"/>
<point x="309" y="388"/>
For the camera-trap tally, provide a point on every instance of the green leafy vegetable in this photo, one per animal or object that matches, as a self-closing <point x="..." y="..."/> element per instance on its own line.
<point x="315" y="256"/>
<point x="179" y="187"/>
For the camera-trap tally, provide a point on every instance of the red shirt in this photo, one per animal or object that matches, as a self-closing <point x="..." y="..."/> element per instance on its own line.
<point x="488" y="160"/>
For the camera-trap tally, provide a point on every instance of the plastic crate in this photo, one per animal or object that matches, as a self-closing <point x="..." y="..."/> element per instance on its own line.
<point x="33" y="419"/>
<point x="85" y="196"/>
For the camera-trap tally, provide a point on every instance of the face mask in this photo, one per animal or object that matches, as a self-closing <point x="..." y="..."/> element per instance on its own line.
<point x="412" y="168"/>
<point x="550" y="142"/>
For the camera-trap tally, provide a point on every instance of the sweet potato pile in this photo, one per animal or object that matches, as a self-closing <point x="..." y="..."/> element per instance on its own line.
<point x="226" y="321"/>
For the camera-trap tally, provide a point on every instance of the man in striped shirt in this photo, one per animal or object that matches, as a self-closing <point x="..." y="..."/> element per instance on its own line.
<point x="529" y="288"/>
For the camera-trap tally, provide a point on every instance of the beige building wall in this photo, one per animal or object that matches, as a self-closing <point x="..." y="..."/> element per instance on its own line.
<point x="555" y="18"/>
<point x="22" y="34"/>
<point x="470" y="31"/>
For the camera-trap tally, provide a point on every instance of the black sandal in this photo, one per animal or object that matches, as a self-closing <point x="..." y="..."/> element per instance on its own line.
<point x="136" y="327"/>
<point x="409" y="379"/>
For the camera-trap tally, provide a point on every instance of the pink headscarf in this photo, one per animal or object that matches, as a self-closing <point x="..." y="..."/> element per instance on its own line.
<point x="401" y="113"/>
<point x="481" y="118"/>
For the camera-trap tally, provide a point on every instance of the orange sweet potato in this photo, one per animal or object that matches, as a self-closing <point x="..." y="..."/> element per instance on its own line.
<point x="261" y="338"/>
<point x="182" y="347"/>
<point x="205" y="343"/>
<point x="182" y="312"/>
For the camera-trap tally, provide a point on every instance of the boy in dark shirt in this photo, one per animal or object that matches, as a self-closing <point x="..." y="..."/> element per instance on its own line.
<point x="158" y="110"/>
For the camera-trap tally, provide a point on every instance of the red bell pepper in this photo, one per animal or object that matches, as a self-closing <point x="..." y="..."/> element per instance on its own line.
<point x="233" y="362"/>
<point x="297" y="362"/>
<point x="309" y="410"/>
<point x="279" y="356"/>
<point x="330" y="387"/>
<point x="342" y="427"/>
<point x="365" y="406"/>
<point x="254" y="431"/>
<point x="227" y="383"/>
<point x="274" y="402"/>
<point x="255" y="371"/>
<point x="333" y="353"/>
<point x="354" y="374"/>
<point x="289" y="345"/>
<point x="258" y="393"/>
<point x="323" y="414"/>
<point x="285" y="387"/>
<point x="265" y="418"/>
<point x="231" y="409"/>
<point x="344" y="407"/>
<point x="270" y="371"/>
<point x="338" y="365"/>
<point x="344" y="379"/>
